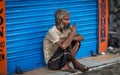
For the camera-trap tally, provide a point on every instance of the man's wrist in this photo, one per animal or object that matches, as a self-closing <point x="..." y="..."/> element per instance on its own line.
<point x="73" y="33"/>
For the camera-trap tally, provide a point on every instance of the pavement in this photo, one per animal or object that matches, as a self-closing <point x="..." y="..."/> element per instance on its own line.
<point x="95" y="62"/>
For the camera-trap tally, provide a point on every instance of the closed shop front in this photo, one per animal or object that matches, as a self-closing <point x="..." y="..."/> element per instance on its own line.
<point x="27" y="22"/>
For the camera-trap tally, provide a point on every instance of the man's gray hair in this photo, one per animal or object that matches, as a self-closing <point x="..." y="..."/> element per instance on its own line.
<point x="60" y="13"/>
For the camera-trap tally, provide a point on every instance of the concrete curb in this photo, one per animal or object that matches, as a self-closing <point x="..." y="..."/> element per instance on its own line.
<point x="97" y="67"/>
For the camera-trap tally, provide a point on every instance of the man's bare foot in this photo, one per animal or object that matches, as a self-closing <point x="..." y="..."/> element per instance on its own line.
<point x="81" y="67"/>
<point x="68" y="69"/>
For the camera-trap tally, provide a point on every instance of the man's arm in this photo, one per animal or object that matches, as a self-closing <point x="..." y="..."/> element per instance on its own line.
<point x="78" y="37"/>
<point x="66" y="42"/>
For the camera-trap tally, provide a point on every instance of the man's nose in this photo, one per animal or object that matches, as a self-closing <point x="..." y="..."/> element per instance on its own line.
<point x="68" y="21"/>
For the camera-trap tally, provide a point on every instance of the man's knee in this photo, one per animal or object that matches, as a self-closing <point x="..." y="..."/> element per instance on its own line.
<point x="78" y="44"/>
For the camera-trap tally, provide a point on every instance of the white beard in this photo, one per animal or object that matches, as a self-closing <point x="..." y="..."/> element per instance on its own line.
<point x="64" y="27"/>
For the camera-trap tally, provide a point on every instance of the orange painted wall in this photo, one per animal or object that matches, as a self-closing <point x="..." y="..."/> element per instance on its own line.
<point x="103" y="25"/>
<point x="3" y="62"/>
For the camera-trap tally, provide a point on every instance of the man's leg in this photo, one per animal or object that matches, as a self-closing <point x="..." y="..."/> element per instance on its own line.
<point x="76" y="64"/>
<point x="75" y="47"/>
<point x="66" y="67"/>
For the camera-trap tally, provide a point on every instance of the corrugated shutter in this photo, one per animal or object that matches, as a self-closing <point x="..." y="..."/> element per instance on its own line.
<point x="27" y="22"/>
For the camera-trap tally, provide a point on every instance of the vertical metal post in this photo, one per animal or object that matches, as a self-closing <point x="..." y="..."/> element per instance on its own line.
<point x="103" y="25"/>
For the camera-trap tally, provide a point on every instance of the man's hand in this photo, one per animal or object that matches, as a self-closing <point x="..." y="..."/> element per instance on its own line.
<point x="62" y="39"/>
<point x="73" y="29"/>
<point x="78" y="38"/>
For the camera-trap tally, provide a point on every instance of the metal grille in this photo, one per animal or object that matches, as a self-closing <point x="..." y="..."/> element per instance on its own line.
<point x="27" y="22"/>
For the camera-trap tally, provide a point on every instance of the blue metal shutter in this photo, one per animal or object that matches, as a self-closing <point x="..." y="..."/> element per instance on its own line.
<point x="27" y="22"/>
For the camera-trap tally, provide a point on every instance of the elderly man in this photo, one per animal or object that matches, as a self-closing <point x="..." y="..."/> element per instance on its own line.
<point x="61" y="44"/>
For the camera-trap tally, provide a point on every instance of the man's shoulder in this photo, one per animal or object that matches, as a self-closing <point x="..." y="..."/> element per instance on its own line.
<point x="52" y="30"/>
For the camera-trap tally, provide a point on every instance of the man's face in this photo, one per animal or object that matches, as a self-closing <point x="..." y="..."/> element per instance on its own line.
<point x="65" y="22"/>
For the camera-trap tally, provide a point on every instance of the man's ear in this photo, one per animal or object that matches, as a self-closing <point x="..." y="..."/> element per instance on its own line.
<point x="58" y="21"/>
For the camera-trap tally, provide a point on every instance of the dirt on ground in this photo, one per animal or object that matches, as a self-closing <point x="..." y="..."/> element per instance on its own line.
<point x="109" y="70"/>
